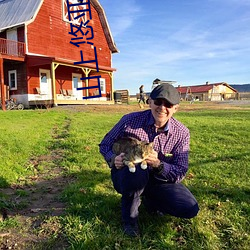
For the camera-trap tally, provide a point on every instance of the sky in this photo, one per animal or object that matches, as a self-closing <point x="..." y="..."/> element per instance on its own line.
<point x="187" y="41"/>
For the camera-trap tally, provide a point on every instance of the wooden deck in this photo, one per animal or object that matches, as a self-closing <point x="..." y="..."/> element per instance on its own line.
<point x="12" y="48"/>
<point x="50" y="103"/>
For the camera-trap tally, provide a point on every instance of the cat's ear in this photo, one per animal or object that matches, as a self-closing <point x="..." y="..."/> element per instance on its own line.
<point x="151" y="144"/>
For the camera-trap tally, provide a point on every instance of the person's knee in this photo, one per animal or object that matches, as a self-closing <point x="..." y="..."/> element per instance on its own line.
<point x="190" y="212"/>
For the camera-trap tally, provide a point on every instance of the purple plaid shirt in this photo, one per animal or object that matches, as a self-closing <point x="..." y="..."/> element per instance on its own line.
<point x="172" y="145"/>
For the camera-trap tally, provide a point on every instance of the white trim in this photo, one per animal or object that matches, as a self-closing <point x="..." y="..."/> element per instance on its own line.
<point x="103" y="85"/>
<point x="65" y="13"/>
<point x="15" y="74"/>
<point x="36" y="13"/>
<point x="48" y="90"/>
<point x="25" y="22"/>
<point x="29" y="22"/>
<point x="77" y="93"/>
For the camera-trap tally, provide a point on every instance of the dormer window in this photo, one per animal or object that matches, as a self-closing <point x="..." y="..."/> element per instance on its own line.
<point x="76" y="11"/>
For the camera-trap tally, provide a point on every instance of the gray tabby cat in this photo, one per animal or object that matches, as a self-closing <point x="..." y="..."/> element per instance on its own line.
<point x="135" y="151"/>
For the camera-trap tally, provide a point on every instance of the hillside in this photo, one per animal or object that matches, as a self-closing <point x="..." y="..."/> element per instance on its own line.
<point x="241" y="87"/>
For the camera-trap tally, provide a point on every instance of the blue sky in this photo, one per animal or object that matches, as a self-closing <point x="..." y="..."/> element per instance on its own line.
<point x="188" y="41"/>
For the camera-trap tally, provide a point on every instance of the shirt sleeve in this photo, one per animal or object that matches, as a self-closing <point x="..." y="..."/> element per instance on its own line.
<point x="106" y="144"/>
<point x="174" y="171"/>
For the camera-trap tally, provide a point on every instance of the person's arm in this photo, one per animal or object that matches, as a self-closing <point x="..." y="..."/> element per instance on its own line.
<point x="174" y="170"/>
<point x="106" y="144"/>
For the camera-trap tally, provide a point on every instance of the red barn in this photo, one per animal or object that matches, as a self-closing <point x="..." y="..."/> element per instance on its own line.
<point x="208" y="92"/>
<point x="50" y="49"/>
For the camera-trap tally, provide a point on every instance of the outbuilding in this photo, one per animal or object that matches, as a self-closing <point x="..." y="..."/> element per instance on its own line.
<point x="207" y="92"/>
<point x="56" y="52"/>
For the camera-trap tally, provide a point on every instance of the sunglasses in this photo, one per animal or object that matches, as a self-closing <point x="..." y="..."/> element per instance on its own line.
<point x="159" y="102"/>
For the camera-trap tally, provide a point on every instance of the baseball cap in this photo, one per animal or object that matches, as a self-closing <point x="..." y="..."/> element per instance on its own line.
<point x="166" y="91"/>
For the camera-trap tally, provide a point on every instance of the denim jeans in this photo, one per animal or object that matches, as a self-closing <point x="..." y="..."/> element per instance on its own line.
<point x="168" y="198"/>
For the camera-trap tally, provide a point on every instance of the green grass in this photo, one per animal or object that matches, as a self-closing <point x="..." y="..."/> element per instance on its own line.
<point x="218" y="176"/>
<point x="24" y="135"/>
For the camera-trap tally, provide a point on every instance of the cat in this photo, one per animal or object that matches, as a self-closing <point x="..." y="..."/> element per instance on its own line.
<point x="135" y="151"/>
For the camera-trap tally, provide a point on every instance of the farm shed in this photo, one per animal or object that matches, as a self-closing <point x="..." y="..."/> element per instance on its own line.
<point x="121" y="96"/>
<point x="208" y="92"/>
<point x="50" y="49"/>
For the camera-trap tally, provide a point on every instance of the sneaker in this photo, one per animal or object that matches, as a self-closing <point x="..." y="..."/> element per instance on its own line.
<point x="131" y="230"/>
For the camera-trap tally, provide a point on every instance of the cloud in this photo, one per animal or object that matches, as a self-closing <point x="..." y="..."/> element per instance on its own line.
<point x="191" y="45"/>
<point x="122" y="15"/>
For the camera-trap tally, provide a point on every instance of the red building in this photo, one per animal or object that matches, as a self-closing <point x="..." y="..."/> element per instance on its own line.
<point x="208" y="92"/>
<point x="46" y="47"/>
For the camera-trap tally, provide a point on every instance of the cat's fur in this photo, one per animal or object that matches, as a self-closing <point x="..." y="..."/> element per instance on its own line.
<point x="135" y="151"/>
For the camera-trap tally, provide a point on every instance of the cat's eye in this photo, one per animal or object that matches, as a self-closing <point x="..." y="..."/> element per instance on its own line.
<point x="159" y="102"/>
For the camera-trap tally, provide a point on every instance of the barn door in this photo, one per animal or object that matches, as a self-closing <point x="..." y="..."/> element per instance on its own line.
<point x="12" y="48"/>
<point x="77" y="83"/>
<point x="45" y="84"/>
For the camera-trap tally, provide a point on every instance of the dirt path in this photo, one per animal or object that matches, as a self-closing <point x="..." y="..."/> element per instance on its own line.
<point x="34" y="203"/>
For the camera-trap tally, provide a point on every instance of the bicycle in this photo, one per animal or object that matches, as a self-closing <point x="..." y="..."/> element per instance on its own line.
<point x="12" y="104"/>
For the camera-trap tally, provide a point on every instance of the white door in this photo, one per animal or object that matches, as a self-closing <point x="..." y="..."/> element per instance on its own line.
<point x="77" y="83"/>
<point x="45" y="84"/>
<point x="12" y="45"/>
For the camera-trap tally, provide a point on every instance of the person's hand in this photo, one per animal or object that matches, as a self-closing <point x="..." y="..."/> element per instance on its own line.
<point x="119" y="161"/>
<point x="152" y="160"/>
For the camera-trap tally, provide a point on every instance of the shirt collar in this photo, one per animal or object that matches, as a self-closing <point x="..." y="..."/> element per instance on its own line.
<point x="151" y="122"/>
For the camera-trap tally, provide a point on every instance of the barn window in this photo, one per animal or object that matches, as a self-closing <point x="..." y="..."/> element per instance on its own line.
<point x="78" y="11"/>
<point x="12" y="80"/>
<point x="103" y="85"/>
<point x="43" y="77"/>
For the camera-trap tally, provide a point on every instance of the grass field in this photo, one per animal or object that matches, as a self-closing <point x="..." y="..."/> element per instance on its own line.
<point x="36" y="143"/>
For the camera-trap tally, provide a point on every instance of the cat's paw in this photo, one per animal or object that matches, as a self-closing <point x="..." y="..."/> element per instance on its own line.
<point x="144" y="166"/>
<point x="132" y="170"/>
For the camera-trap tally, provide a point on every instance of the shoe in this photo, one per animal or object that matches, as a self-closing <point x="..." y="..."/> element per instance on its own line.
<point x="150" y="208"/>
<point x="131" y="230"/>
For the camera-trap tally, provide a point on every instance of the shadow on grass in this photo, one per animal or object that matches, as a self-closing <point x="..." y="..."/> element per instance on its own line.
<point x="94" y="219"/>
<point x="3" y="183"/>
<point x="214" y="159"/>
<point x="227" y="210"/>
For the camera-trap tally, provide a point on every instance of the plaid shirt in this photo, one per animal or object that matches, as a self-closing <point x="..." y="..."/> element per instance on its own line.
<point x="172" y="144"/>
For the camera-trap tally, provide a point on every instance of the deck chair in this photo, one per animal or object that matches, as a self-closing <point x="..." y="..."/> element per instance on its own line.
<point x="71" y="94"/>
<point x="38" y="91"/>
<point x="63" y="92"/>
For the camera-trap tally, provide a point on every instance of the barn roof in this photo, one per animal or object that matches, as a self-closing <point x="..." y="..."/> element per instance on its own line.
<point x="17" y="12"/>
<point x="201" y="88"/>
<point x="105" y="25"/>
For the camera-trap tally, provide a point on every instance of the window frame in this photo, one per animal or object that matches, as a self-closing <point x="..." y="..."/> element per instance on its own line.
<point x="15" y="79"/>
<point x="103" y="85"/>
<point x="65" y="14"/>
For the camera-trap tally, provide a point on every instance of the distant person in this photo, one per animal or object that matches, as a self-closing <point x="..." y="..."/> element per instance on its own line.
<point x="156" y="83"/>
<point x="192" y="100"/>
<point x="142" y="95"/>
<point x="159" y="185"/>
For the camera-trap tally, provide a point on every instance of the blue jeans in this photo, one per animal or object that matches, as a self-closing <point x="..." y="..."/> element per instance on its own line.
<point x="168" y="198"/>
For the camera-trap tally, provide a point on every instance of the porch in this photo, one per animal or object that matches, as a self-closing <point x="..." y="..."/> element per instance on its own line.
<point x="9" y="50"/>
<point x="50" y="103"/>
